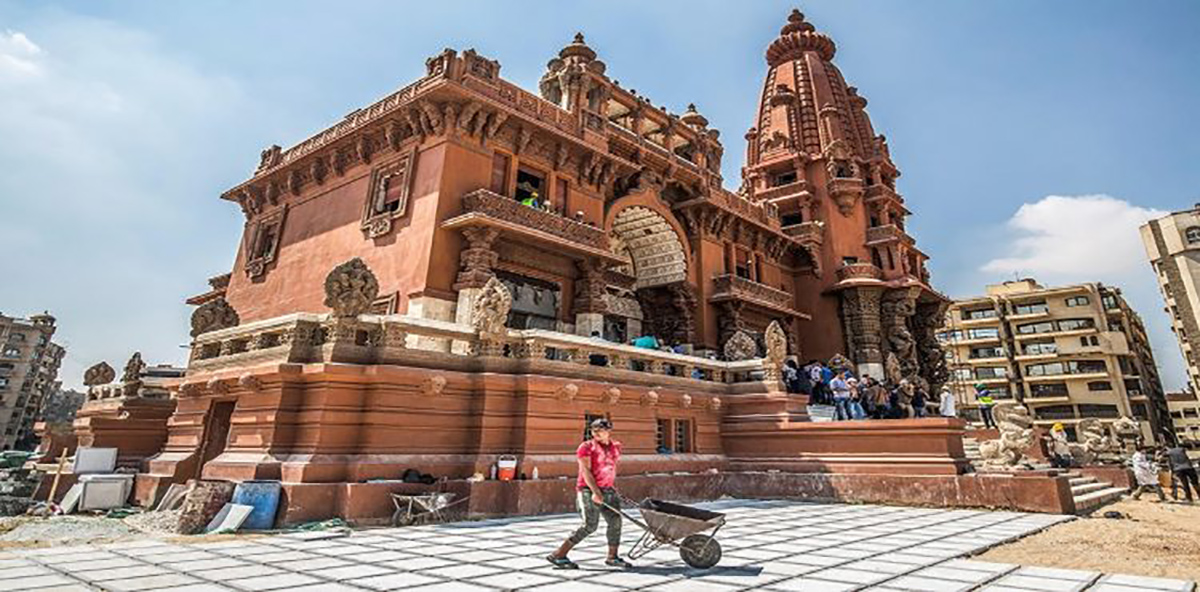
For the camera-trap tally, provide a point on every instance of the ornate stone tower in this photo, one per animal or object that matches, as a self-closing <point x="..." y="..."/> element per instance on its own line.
<point x="815" y="156"/>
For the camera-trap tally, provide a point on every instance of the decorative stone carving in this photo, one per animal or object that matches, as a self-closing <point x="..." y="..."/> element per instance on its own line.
<point x="685" y="400"/>
<point x="1129" y="434"/>
<point x="249" y="382"/>
<point x="350" y="288"/>
<point x="740" y="346"/>
<point x="387" y="195"/>
<point x="491" y="309"/>
<point x="776" y="345"/>
<point x="590" y="288"/>
<point x="897" y="308"/>
<point x="269" y="157"/>
<point x="567" y="392"/>
<point x="612" y="395"/>
<point x="861" y="324"/>
<point x="478" y="258"/>
<point x="213" y="315"/>
<point x="650" y="399"/>
<point x="218" y="386"/>
<point x="1096" y="444"/>
<point x="1016" y="436"/>
<point x="433" y="386"/>
<point x="714" y="404"/>
<point x="98" y="374"/>
<point x="132" y="377"/>
<point x="931" y="356"/>
<point x="892" y="370"/>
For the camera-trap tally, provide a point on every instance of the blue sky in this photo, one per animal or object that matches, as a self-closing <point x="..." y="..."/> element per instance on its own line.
<point x="1033" y="136"/>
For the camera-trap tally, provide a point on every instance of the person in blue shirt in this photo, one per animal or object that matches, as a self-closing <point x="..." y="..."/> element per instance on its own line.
<point x="646" y="342"/>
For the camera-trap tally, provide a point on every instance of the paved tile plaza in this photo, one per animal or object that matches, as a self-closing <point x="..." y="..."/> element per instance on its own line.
<point x="769" y="545"/>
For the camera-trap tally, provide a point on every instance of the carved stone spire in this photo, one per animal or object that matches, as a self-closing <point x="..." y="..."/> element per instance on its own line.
<point x="350" y="288"/>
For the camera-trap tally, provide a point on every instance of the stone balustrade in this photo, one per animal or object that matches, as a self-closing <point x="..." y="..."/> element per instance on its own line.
<point x="885" y="233"/>
<point x="806" y="232"/>
<point x="789" y="190"/>
<point x="509" y="210"/>
<point x="413" y="341"/>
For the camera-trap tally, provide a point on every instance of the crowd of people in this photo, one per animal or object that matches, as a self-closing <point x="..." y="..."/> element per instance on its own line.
<point x="866" y="397"/>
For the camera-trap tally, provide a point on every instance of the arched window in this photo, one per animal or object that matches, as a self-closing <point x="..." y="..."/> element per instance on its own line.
<point x="1193" y="234"/>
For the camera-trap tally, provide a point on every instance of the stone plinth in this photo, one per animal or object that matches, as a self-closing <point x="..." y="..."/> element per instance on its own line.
<point x="135" y="426"/>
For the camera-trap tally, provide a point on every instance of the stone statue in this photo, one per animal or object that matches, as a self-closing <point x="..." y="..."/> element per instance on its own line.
<point x="1095" y="444"/>
<point x="350" y="289"/>
<point x="213" y="315"/>
<point x="776" y="342"/>
<point x="491" y="309"/>
<point x="134" y="368"/>
<point x="897" y="307"/>
<point x="1016" y="436"/>
<point x="1129" y="434"/>
<point x="269" y="157"/>
<point x="99" y="374"/>
<point x="891" y="369"/>
<point x="740" y="346"/>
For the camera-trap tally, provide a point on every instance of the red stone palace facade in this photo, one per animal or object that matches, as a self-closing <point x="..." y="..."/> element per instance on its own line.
<point x="397" y="303"/>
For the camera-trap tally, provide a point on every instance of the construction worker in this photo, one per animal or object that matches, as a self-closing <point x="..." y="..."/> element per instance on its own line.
<point x="986" y="402"/>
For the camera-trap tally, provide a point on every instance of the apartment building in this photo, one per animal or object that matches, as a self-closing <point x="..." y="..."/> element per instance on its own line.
<point x="1068" y="353"/>
<point x="1185" y="417"/>
<point x="29" y="364"/>
<point x="1173" y="245"/>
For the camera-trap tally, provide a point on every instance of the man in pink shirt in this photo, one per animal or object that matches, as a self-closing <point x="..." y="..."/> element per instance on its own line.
<point x="595" y="487"/>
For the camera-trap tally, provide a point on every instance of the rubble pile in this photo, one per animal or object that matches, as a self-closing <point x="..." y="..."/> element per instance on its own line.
<point x="17" y="483"/>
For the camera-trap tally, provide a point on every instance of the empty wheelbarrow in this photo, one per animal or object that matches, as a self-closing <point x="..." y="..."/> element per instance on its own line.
<point x="666" y="523"/>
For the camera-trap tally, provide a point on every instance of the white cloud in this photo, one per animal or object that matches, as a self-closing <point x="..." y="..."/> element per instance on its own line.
<point x="113" y="154"/>
<point x="18" y="55"/>
<point x="1092" y="238"/>
<point x="1089" y="237"/>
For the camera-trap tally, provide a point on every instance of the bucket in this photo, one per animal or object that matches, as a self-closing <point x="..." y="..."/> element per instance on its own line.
<point x="263" y="496"/>
<point x="508" y="468"/>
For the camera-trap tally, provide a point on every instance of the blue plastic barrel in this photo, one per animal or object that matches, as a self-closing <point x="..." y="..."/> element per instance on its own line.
<point x="263" y="496"/>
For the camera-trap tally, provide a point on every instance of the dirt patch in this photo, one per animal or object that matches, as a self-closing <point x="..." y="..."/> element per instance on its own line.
<point x="1158" y="540"/>
<point x="66" y="530"/>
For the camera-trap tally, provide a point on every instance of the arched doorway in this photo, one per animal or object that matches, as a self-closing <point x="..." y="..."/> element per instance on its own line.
<point x="657" y="263"/>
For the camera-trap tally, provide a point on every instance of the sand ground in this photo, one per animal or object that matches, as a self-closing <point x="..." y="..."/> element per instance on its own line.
<point x="1158" y="539"/>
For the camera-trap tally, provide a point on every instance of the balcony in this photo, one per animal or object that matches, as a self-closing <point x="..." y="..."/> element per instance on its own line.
<point x="485" y="208"/>
<point x="794" y="189"/>
<point x="732" y="287"/>
<point x="806" y="232"/>
<point x="853" y="272"/>
<point x="887" y="233"/>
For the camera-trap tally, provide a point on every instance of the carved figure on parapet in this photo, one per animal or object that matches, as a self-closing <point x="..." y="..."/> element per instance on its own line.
<point x="213" y="315"/>
<point x="269" y="157"/>
<point x="99" y="374"/>
<point x="350" y="288"/>
<point x="776" y="345"/>
<point x="1016" y="436"/>
<point x="740" y="346"/>
<point x="134" y="368"/>
<point x="491" y="309"/>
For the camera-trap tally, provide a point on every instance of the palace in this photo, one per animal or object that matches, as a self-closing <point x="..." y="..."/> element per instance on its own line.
<point x="461" y="270"/>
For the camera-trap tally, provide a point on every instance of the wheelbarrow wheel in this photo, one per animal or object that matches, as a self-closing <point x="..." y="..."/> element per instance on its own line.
<point x="700" y="551"/>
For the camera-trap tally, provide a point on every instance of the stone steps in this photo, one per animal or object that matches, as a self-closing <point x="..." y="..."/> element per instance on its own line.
<point x="1090" y="501"/>
<point x="1078" y="490"/>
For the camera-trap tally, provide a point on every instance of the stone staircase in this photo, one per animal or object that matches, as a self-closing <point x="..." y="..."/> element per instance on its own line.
<point x="1091" y="493"/>
<point x="971" y="447"/>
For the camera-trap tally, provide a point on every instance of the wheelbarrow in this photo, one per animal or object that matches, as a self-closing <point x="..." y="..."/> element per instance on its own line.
<point x="666" y="523"/>
<point x="422" y="508"/>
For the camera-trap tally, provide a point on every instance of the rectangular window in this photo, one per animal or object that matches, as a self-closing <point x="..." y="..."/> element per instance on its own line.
<point x="963" y="374"/>
<point x="1040" y="347"/>
<point x="945" y="336"/>
<point x="991" y="372"/>
<point x="1048" y="389"/>
<point x="1110" y="301"/>
<point x="742" y="266"/>
<point x="1100" y="385"/>
<point x="662" y="431"/>
<point x="985" y="333"/>
<point x="987" y="352"/>
<point x="500" y="166"/>
<point x="1077" y="301"/>
<point x="1035" y="328"/>
<point x="784" y="179"/>
<point x="1055" y="412"/>
<point x="1104" y="411"/>
<point x="1076" y="324"/>
<point x="683" y="435"/>
<point x="1090" y="366"/>
<point x="531" y="187"/>
<point x="1031" y="308"/>
<point x="12" y="352"/>
<point x="979" y="313"/>
<point x="1138" y="410"/>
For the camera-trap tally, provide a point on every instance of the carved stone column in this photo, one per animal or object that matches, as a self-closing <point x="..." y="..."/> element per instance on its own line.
<point x="476" y="261"/>
<point x="932" y="358"/>
<point x="729" y="320"/>
<point x="897" y="308"/>
<point x="590" y="304"/>
<point x="863" y="330"/>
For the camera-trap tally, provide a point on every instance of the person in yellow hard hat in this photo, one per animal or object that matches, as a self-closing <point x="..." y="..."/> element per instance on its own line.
<point x="1060" y="451"/>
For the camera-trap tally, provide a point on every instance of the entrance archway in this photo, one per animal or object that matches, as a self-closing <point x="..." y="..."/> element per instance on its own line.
<point x="657" y="260"/>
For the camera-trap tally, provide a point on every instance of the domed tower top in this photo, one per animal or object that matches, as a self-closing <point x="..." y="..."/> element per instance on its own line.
<point x="797" y="37"/>
<point x="806" y="108"/>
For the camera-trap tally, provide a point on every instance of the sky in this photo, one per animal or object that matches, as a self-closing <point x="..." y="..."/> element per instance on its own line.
<point x="1034" y="137"/>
